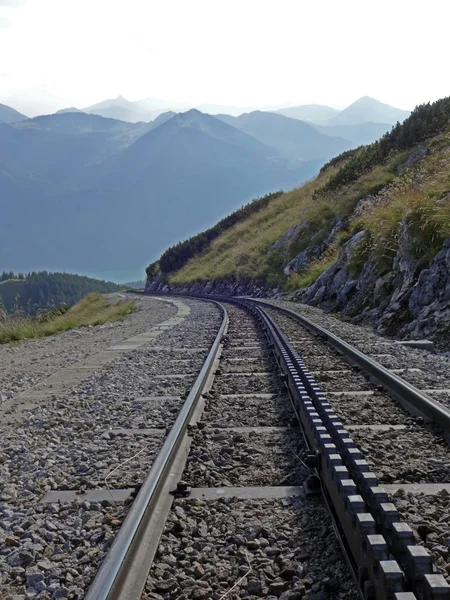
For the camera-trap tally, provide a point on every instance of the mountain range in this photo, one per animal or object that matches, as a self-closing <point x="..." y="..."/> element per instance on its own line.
<point x="129" y="189"/>
<point x="81" y="192"/>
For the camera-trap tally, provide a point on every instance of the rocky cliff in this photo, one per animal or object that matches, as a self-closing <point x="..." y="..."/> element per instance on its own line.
<point x="407" y="302"/>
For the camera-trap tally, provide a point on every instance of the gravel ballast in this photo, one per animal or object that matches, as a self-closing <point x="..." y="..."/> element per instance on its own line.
<point x="249" y="549"/>
<point x="69" y="442"/>
<point x="234" y="548"/>
<point x="435" y="367"/>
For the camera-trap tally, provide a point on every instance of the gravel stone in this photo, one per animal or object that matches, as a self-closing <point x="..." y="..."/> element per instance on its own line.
<point x="298" y="527"/>
<point x="69" y="442"/>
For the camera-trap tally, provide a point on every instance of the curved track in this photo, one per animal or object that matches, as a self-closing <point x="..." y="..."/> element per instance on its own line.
<point x="248" y="449"/>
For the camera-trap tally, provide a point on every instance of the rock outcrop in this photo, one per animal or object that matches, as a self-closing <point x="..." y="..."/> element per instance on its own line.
<point x="429" y="302"/>
<point x="255" y="288"/>
<point x="409" y="301"/>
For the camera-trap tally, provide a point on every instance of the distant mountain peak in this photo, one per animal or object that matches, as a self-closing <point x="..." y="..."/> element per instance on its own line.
<point x="10" y="115"/>
<point x="367" y="109"/>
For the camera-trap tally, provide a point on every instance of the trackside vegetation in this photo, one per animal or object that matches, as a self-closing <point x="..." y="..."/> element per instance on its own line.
<point x="93" y="310"/>
<point x="426" y="120"/>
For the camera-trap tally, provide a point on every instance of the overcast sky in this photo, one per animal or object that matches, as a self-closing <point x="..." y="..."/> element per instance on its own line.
<point x="57" y="53"/>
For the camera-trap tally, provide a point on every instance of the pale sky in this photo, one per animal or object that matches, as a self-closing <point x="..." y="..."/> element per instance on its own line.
<point x="240" y="52"/>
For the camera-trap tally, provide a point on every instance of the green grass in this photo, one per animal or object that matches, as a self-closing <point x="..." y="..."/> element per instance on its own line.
<point x="424" y="207"/>
<point x="94" y="309"/>
<point x="308" y="276"/>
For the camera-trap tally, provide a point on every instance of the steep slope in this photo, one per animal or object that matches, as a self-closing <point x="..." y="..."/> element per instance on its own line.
<point x="368" y="109"/>
<point x="369" y="237"/>
<point x="290" y="137"/>
<point x="313" y="113"/>
<point x="359" y="134"/>
<point x="9" y="115"/>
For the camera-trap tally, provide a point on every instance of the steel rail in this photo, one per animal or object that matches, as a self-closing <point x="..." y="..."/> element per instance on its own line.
<point x="390" y="565"/>
<point x="112" y="577"/>
<point x="397" y="387"/>
<point x="372" y="527"/>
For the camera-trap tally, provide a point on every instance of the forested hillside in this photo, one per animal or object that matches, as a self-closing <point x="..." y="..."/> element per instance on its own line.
<point x="36" y="291"/>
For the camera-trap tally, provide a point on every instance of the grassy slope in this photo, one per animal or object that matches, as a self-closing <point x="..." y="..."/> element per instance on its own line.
<point x="243" y="250"/>
<point x="93" y="310"/>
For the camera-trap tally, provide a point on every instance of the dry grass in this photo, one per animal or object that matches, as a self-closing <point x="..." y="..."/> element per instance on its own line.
<point x="423" y="203"/>
<point x="242" y="250"/>
<point x="94" y="309"/>
<point x="415" y="195"/>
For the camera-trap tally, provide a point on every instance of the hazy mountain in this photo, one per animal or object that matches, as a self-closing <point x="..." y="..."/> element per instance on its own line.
<point x="360" y="134"/>
<point x="60" y="147"/>
<point x="122" y="109"/>
<point x="9" y="115"/>
<point x="368" y="109"/>
<point x="88" y="194"/>
<point x="71" y="109"/>
<point x="150" y="108"/>
<point x="192" y="142"/>
<point x="218" y="109"/>
<point x="162" y="118"/>
<point x="313" y="113"/>
<point x="118" y="108"/>
<point x="290" y="137"/>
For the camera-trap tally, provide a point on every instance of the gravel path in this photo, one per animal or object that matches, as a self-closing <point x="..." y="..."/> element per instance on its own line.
<point x="71" y="442"/>
<point x="21" y="367"/>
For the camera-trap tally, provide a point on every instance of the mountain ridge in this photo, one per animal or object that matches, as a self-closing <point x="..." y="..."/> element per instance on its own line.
<point x="291" y="137"/>
<point x="76" y="176"/>
<point x="10" y="115"/>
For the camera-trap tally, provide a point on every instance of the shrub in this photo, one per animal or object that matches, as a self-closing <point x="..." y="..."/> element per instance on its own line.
<point x="426" y="120"/>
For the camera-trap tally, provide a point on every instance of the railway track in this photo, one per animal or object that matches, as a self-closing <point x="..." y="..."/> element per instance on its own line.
<point x="281" y="467"/>
<point x="287" y="416"/>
